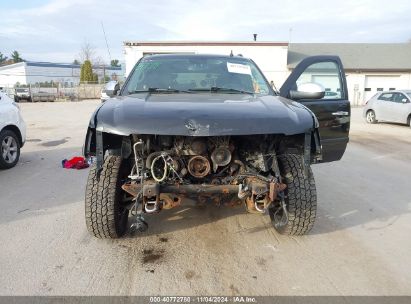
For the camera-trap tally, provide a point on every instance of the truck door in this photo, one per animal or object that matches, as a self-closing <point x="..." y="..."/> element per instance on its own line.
<point x="333" y="110"/>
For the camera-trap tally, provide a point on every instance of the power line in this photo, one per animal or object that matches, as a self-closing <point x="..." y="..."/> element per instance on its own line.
<point x="105" y="38"/>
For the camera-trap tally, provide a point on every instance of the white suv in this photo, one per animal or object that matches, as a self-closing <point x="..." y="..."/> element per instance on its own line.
<point x="12" y="132"/>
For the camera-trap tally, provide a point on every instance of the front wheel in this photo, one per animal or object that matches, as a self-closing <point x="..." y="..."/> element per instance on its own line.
<point x="370" y="117"/>
<point x="300" y="198"/>
<point x="9" y="149"/>
<point x="106" y="215"/>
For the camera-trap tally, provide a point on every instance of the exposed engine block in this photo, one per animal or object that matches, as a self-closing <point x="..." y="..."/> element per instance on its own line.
<point x="241" y="166"/>
<point x="188" y="157"/>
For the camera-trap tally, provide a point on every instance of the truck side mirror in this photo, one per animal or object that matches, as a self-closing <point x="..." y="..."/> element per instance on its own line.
<point x="308" y="90"/>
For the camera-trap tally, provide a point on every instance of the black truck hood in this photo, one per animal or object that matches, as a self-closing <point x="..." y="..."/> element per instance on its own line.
<point x="202" y="114"/>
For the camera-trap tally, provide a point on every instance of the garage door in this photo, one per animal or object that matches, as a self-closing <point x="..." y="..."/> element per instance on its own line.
<point x="374" y="84"/>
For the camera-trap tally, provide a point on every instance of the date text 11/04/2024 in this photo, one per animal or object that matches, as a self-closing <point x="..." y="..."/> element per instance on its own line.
<point x="203" y="299"/>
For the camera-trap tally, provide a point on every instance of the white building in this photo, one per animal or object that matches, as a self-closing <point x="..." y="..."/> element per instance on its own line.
<point x="38" y="72"/>
<point x="369" y="67"/>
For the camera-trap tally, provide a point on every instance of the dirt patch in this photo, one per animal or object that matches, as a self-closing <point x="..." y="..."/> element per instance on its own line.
<point x="189" y="274"/>
<point x="234" y="290"/>
<point x="152" y="255"/>
<point x="54" y="143"/>
<point x="260" y="261"/>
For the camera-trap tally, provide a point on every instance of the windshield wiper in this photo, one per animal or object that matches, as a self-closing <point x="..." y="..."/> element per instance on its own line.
<point x="217" y="89"/>
<point x="159" y="90"/>
<point x="220" y="89"/>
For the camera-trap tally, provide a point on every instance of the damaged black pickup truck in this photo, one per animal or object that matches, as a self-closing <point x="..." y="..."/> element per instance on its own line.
<point x="211" y="127"/>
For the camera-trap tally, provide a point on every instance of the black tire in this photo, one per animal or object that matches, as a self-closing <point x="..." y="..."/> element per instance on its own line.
<point x="10" y="159"/>
<point x="370" y="117"/>
<point x="106" y="217"/>
<point x="16" y="99"/>
<point x="300" y="198"/>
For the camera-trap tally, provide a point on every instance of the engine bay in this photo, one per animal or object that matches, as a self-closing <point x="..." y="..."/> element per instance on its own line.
<point x="168" y="168"/>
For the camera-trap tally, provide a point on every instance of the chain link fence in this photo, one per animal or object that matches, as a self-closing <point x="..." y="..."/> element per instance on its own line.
<point x="58" y="91"/>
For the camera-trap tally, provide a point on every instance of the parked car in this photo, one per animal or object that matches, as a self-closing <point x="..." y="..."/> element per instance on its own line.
<point x="43" y="96"/>
<point x="22" y="94"/>
<point x="12" y="132"/>
<point x="389" y="106"/>
<point x="212" y="126"/>
<point x="29" y="95"/>
<point x="108" y="89"/>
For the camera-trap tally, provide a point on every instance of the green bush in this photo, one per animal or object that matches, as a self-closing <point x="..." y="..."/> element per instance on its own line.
<point x="86" y="73"/>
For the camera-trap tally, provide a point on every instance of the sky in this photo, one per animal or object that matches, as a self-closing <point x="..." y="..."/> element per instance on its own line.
<point x="55" y="30"/>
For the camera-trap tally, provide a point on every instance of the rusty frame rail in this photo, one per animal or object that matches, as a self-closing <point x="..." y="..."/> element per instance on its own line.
<point x="204" y="189"/>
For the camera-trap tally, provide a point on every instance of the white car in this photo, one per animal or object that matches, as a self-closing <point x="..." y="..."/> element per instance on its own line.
<point x="12" y="132"/>
<point x="103" y="95"/>
<point x="390" y="106"/>
<point x="107" y="91"/>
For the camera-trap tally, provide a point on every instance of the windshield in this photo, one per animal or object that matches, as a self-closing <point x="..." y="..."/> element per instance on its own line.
<point x="22" y="90"/>
<point x="196" y="74"/>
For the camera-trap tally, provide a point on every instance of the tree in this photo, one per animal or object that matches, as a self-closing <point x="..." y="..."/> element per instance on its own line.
<point x="105" y="79"/>
<point x="2" y="58"/>
<point x="86" y="73"/>
<point x="87" y="52"/>
<point x="16" y="57"/>
<point x="76" y="62"/>
<point x="115" y="63"/>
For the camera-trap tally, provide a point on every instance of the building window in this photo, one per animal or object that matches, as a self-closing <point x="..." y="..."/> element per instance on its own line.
<point x="367" y="89"/>
<point x="380" y="89"/>
<point x="392" y="89"/>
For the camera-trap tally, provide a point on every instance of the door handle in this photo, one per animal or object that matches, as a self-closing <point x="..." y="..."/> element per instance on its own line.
<point x="340" y="113"/>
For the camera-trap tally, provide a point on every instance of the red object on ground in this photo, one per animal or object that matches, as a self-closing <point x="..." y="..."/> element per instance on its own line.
<point x="76" y="162"/>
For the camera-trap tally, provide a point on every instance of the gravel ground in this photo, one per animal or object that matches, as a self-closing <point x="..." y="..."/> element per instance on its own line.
<point x="360" y="244"/>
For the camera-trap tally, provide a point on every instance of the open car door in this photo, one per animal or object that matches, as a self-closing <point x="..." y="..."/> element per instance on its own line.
<point x="333" y="110"/>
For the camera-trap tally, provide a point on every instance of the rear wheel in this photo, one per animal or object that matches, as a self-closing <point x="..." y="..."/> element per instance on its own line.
<point x="300" y="198"/>
<point x="106" y="215"/>
<point x="370" y="117"/>
<point x="9" y="149"/>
